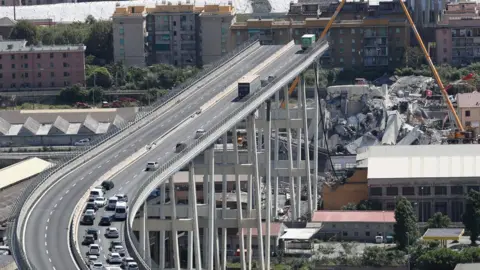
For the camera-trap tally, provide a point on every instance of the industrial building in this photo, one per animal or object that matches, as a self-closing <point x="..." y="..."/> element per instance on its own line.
<point x="59" y="127"/>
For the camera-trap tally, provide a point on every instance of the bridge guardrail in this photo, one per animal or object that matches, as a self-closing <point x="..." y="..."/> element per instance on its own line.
<point x="20" y="210"/>
<point x="133" y="242"/>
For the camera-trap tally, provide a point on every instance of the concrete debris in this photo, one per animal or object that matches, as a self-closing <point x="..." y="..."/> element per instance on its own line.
<point x="364" y="115"/>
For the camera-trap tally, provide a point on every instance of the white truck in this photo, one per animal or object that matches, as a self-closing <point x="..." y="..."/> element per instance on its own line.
<point x="248" y="85"/>
<point x="121" y="210"/>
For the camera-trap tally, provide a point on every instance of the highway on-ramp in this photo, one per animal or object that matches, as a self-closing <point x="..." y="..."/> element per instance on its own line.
<point x="127" y="181"/>
<point x="45" y="238"/>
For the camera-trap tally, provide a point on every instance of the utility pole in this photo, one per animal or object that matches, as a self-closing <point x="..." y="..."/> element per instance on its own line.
<point x="94" y="87"/>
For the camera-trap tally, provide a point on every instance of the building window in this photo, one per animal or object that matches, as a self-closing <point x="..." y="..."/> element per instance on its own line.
<point x="353" y="31"/>
<point x="345" y="233"/>
<point x="367" y="233"/>
<point x="340" y="31"/>
<point x="456" y="190"/>
<point x="376" y="191"/>
<point x="25" y="56"/>
<point x="26" y="74"/>
<point x="39" y="74"/>
<point x="353" y="41"/>
<point x="350" y="165"/>
<point x="121" y="31"/>
<point x="38" y="65"/>
<point x="467" y="113"/>
<point x="355" y="234"/>
<point x="12" y="57"/>
<point x="392" y="191"/>
<point x="13" y="65"/>
<point x="51" y="55"/>
<point x="25" y="65"/>
<point x="341" y="40"/>
<point x="39" y="84"/>
<point x="353" y="50"/>
<point x="13" y="76"/>
<point x="65" y="64"/>
<point x="52" y="74"/>
<point x="353" y="61"/>
<point x="440" y="190"/>
<point x="397" y="30"/>
<point x="470" y="188"/>
<point x="66" y="74"/>
<point x="39" y="56"/>
<point x="390" y="206"/>
<point x="51" y="64"/>
<point x="424" y="191"/>
<point x="408" y="191"/>
<point x="337" y="166"/>
<point x="341" y="59"/>
<point x="1" y="66"/>
<point x="122" y="41"/>
<point x="52" y="84"/>
<point x="445" y="50"/>
<point x="65" y="55"/>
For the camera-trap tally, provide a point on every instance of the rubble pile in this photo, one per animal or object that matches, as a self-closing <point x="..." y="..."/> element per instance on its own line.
<point x="365" y="115"/>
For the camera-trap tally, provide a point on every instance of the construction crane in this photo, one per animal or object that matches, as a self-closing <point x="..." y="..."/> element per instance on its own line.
<point x="422" y="46"/>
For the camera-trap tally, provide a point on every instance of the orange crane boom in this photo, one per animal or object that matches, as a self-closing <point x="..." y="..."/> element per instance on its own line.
<point x="432" y="67"/>
<point x="324" y="33"/>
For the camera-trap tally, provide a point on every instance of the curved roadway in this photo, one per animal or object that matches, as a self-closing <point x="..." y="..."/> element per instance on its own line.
<point x="45" y="236"/>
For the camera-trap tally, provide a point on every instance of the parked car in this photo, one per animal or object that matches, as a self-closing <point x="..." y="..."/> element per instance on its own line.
<point x="82" y="142"/>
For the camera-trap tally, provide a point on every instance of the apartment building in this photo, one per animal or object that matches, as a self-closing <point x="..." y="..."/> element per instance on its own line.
<point x="26" y="67"/>
<point x="469" y="110"/>
<point x="180" y="35"/>
<point x="129" y="35"/>
<point x="458" y="35"/>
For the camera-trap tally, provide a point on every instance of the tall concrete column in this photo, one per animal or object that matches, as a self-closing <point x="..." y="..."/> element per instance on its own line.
<point x="192" y="198"/>
<point x="258" y="197"/>
<point x="144" y="240"/>
<point x="268" y="173"/>
<point x="276" y="157"/>
<point x="315" y="145"/>
<point x="239" y="202"/>
<point x="211" y="210"/>
<point x="174" y="233"/>
<point x="299" y="148"/>
<point x="293" y="202"/>
<point x="307" y="144"/>
<point x="224" y="204"/>
<point x="205" y="201"/>
<point x="163" y="196"/>
<point x="250" y="138"/>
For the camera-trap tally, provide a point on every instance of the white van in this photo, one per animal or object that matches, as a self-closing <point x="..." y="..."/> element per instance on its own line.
<point x="94" y="193"/>
<point x="112" y="203"/>
<point x="121" y="211"/>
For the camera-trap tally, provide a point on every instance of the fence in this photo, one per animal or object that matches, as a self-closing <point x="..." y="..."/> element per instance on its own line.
<point x="131" y="242"/>
<point x="23" y="205"/>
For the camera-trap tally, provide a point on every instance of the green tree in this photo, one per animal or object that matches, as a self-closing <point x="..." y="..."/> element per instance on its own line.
<point x="439" y="259"/>
<point x="73" y="94"/>
<point x="349" y="206"/>
<point x="414" y="57"/>
<point x="99" y="76"/>
<point x="100" y="41"/>
<point x="439" y="220"/>
<point x="405" y="229"/>
<point x="95" y="95"/>
<point x="379" y="257"/>
<point x="25" y="30"/>
<point x="471" y="216"/>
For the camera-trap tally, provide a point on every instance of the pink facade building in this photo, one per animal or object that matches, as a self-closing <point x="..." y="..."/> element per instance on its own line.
<point x="44" y="67"/>
<point x="458" y="35"/>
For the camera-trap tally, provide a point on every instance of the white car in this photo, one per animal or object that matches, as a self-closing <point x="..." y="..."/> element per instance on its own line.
<point x="114" y="257"/>
<point x="122" y="197"/>
<point x="100" y="201"/>
<point x="132" y="266"/>
<point x="94" y="249"/>
<point x="199" y="133"/>
<point x="89" y="212"/>
<point x="126" y="261"/>
<point x="82" y="142"/>
<point x="97" y="266"/>
<point x="152" y="166"/>
<point x="119" y="249"/>
<point x="111" y="232"/>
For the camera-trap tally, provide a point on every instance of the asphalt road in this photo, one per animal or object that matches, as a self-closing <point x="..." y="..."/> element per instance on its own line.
<point x="128" y="180"/>
<point x="46" y="238"/>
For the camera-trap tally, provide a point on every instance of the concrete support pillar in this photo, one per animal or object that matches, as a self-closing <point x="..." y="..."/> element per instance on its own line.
<point x="163" y="195"/>
<point x="174" y="234"/>
<point x="211" y="209"/>
<point x="293" y="202"/>
<point x="258" y="196"/>
<point x="276" y="157"/>
<point x="239" y="204"/>
<point x="224" y="206"/>
<point x="205" y="201"/>
<point x="315" y="146"/>
<point x="307" y="144"/>
<point x="250" y="138"/>
<point x="268" y="173"/>
<point x="299" y="149"/>
<point x="144" y="240"/>
<point x="195" y="241"/>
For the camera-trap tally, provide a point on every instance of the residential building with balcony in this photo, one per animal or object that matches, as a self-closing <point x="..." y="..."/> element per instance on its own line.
<point x="458" y="35"/>
<point x="129" y="35"/>
<point x="27" y="67"/>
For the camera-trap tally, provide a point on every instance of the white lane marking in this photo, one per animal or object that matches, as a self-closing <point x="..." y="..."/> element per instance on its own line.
<point x="46" y="251"/>
<point x="61" y="198"/>
<point x="50" y="259"/>
<point x="158" y="158"/>
<point x="120" y="189"/>
<point x="54" y="268"/>
<point x="74" y="184"/>
<point x="48" y="220"/>
<point x="135" y="175"/>
<point x="46" y="228"/>
<point x="124" y="150"/>
<point x="89" y="173"/>
<point x="82" y="178"/>
<point x="55" y="206"/>
<point x="115" y="156"/>
<point x="51" y="212"/>
<point x="108" y="161"/>
<point x="99" y="240"/>
<point x="45" y="237"/>
<point x="127" y="182"/>
<point x="105" y="256"/>
<point x="162" y="125"/>
<point x="68" y="190"/>
<point x="132" y="145"/>
<point x="99" y="166"/>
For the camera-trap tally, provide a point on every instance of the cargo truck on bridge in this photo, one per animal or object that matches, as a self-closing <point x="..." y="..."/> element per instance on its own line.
<point x="307" y="41"/>
<point x="248" y="85"/>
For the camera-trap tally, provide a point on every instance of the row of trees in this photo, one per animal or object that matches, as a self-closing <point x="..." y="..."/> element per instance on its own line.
<point x="97" y="36"/>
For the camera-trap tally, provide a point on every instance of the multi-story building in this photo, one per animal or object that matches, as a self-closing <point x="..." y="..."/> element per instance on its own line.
<point x="179" y="35"/>
<point x="458" y="35"/>
<point x="469" y="110"/>
<point x="361" y="40"/>
<point x="129" y="34"/>
<point x="23" y="66"/>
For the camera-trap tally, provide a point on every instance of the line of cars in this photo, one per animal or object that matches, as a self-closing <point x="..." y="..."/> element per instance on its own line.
<point x="116" y="210"/>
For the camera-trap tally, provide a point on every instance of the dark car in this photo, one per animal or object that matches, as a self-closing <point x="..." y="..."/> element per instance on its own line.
<point x="93" y="232"/>
<point x="91" y="205"/>
<point x="108" y="185"/>
<point x="114" y="243"/>
<point x="106" y="220"/>
<point x="87" y="220"/>
<point x="179" y="147"/>
<point x="88" y="239"/>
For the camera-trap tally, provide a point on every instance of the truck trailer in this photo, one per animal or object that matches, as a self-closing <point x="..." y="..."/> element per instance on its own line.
<point x="248" y="85"/>
<point x="307" y="41"/>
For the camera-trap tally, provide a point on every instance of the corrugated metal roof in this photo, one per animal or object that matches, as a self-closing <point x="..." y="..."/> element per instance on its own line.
<point x="354" y="216"/>
<point x="22" y="171"/>
<point x="300" y="234"/>
<point x="424" y="161"/>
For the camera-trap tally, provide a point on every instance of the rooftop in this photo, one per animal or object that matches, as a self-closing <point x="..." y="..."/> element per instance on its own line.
<point x="299" y="233"/>
<point x="21" y="46"/>
<point x="354" y="216"/>
<point x="443" y="234"/>
<point x="423" y="161"/>
<point x="469" y="100"/>
<point x="21" y="171"/>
